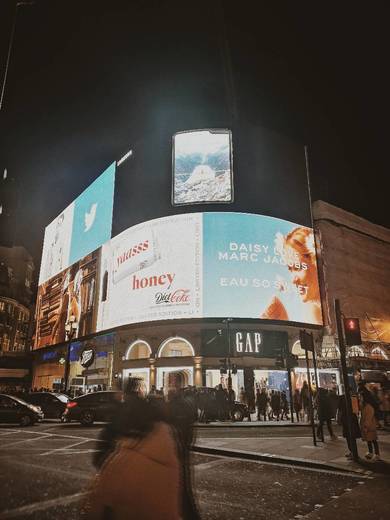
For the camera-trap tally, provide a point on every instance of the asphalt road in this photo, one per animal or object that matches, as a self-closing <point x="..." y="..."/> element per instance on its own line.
<point x="45" y="471"/>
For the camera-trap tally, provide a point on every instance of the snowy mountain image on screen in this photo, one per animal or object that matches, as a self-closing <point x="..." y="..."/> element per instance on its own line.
<point x="202" y="167"/>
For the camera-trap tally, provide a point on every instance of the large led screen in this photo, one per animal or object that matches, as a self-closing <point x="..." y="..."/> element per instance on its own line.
<point x="259" y="267"/>
<point x="81" y="228"/>
<point x="152" y="271"/>
<point x="212" y="265"/>
<point x="202" y="167"/>
<point x="67" y="303"/>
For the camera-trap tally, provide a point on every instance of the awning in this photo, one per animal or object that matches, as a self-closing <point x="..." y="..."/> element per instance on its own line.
<point x="13" y="372"/>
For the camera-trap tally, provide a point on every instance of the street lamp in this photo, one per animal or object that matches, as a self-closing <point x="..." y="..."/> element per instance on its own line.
<point x="227" y="321"/>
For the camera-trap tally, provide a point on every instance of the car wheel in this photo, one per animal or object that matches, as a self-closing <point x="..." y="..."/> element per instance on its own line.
<point x="25" y="420"/>
<point x="87" y="418"/>
<point x="238" y="415"/>
<point x="64" y="419"/>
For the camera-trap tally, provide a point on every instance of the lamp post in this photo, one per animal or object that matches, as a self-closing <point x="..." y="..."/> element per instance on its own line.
<point x="229" y="366"/>
<point x="71" y="327"/>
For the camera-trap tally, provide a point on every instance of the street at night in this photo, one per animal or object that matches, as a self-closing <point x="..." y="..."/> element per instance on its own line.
<point x="46" y="472"/>
<point x="194" y="261"/>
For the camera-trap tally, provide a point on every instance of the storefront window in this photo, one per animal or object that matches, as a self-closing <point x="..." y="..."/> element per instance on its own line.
<point x="139" y="349"/>
<point x="176" y="347"/>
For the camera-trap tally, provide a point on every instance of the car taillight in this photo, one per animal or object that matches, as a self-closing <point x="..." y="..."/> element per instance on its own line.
<point x="72" y="404"/>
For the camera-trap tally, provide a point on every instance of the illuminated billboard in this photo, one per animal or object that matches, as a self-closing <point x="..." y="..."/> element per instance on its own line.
<point x="211" y="265"/>
<point x="66" y="304"/>
<point x="259" y="267"/>
<point x="152" y="271"/>
<point x="202" y="167"/>
<point x="81" y="228"/>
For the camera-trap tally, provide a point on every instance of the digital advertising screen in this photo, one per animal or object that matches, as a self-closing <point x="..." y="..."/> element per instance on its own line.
<point x="202" y="167"/>
<point x="68" y="300"/>
<point x="152" y="271"/>
<point x="81" y="228"/>
<point x="194" y="265"/>
<point x="256" y="266"/>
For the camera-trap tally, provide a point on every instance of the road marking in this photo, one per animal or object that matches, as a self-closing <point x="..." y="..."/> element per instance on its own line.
<point x="210" y="464"/>
<point x="57" y="450"/>
<point x="80" y="474"/>
<point x="59" y="435"/>
<point x="11" y="444"/>
<point x="41" y="506"/>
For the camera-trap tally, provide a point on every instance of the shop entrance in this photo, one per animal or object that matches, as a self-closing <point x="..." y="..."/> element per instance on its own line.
<point x="172" y="379"/>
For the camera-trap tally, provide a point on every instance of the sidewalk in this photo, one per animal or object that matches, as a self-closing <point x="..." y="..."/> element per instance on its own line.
<point x="299" y="450"/>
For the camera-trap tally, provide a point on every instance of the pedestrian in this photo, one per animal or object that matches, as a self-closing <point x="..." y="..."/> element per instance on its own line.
<point x="355" y="429"/>
<point x="305" y="400"/>
<point x="324" y="411"/>
<point x="261" y="404"/>
<point x="275" y="404"/>
<point x="231" y="402"/>
<point x="138" y="457"/>
<point x="368" y="424"/>
<point x="284" y="405"/>
<point x="222" y="402"/>
<point x="297" y="403"/>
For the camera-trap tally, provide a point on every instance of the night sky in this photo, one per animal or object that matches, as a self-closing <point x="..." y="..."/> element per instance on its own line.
<point x="89" y="79"/>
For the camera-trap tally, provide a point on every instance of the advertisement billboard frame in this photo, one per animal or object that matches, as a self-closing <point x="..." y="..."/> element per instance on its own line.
<point x="211" y="130"/>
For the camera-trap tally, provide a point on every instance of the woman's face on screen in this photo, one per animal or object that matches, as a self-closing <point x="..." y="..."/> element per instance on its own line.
<point x="304" y="274"/>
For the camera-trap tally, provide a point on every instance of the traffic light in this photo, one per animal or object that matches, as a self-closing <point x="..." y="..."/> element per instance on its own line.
<point x="352" y="332"/>
<point x="306" y="340"/>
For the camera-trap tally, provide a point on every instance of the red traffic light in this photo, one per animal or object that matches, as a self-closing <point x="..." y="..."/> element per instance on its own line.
<point x="352" y="331"/>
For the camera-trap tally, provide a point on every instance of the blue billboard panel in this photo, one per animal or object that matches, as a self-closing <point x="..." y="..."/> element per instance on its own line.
<point x="92" y="218"/>
<point x="81" y="228"/>
<point x="259" y="267"/>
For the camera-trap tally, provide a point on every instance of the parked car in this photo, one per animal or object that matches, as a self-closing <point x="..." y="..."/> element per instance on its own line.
<point x="96" y="406"/>
<point x="208" y="406"/>
<point x="15" y="410"/>
<point x="52" y="404"/>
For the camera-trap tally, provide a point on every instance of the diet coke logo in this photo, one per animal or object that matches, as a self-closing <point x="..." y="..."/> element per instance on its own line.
<point x="178" y="297"/>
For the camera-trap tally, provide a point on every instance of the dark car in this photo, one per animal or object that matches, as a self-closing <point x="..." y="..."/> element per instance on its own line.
<point x="96" y="406"/>
<point x="53" y="405"/>
<point x="209" y="409"/>
<point x="15" y="410"/>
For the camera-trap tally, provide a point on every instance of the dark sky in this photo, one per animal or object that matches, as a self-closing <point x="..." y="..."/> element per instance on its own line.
<point x="88" y="79"/>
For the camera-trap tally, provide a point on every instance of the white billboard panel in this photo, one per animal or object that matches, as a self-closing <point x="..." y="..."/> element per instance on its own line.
<point x="152" y="271"/>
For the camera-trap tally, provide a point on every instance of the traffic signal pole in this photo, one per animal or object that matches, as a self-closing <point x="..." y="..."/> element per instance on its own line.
<point x="347" y="390"/>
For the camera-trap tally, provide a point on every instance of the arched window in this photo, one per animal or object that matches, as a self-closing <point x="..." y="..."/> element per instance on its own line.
<point x="175" y="347"/>
<point x="139" y="349"/>
<point x="379" y="353"/>
<point x="356" y="351"/>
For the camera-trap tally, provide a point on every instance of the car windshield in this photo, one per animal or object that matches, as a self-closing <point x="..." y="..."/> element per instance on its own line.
<point x="62" y="397"/>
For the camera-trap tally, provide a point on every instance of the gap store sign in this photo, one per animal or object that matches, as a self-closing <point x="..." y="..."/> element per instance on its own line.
<point x="268" y="344"/>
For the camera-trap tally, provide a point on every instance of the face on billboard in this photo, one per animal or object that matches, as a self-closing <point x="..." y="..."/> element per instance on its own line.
<point x="202" y="167"/>
<point x="81" y="228"/>
<point x="259" y="267"/>
<point x="152" y="271"/>
<point x="66" y="303"/>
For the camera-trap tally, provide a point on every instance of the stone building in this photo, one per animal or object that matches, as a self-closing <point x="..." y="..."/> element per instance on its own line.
<point x="16" y="272"/>
<point x="354" y="267"/>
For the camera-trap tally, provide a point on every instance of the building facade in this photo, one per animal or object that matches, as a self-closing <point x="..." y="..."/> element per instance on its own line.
<point x="16" y="274"/>
<point x="353" y="258"/>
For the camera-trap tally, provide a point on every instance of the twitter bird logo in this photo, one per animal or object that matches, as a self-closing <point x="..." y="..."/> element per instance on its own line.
<point x="89" y="217"/>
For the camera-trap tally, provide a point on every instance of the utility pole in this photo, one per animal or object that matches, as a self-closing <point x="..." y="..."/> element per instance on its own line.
<point x="10" y="45"/>
<point x="347" y="390"/>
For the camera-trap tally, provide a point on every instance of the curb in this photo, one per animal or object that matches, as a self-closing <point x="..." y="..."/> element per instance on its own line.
<point x="278" y="459"/>
<point x="251" y="424"/>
